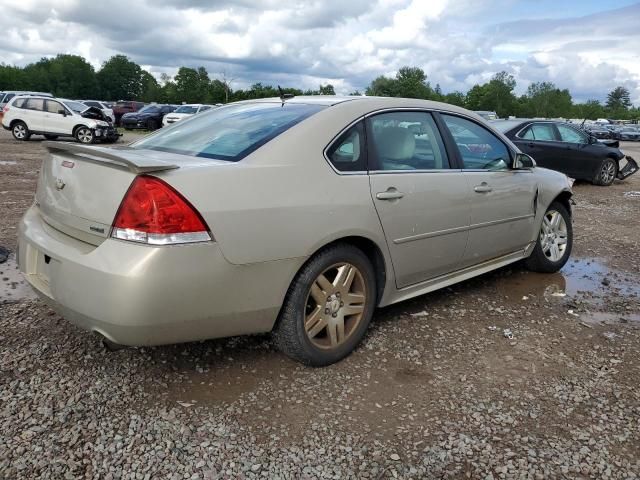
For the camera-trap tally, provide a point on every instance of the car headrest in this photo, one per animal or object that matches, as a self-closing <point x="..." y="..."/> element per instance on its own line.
<point x="395" y="143"/>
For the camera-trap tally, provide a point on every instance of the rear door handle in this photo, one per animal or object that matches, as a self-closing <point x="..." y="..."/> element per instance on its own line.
<point x="390" y="194"/>
<point x="483" y="188"/>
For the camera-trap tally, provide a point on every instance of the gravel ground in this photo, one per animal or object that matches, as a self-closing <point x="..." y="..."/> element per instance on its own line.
<point x="436" y="391"/>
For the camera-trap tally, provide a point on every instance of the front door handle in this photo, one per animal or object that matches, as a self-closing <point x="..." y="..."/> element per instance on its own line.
<point x="390" y="194"/>
<point x="483" y="188"/>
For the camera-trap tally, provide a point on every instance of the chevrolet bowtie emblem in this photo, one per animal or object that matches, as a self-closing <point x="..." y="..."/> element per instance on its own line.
<point x="59" y="184"/>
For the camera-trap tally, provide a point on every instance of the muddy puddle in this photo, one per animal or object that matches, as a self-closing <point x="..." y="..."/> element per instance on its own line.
<point x="581" y="277"/>
<point x="13" y="286"/>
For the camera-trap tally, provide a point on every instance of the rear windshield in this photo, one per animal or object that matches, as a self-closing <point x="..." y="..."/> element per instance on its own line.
<point x="229" y="133"/>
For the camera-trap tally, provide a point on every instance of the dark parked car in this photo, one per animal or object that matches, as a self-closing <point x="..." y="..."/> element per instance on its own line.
<point x="125" y="106"/>
<point x="628" y="134"/>
<point x="149" y="117"/>
<point x="568" y="149"/>
<point x="599" y="132"/>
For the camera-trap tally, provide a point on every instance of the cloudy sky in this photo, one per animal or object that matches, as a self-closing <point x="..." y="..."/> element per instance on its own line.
<point x="588" y="46"/>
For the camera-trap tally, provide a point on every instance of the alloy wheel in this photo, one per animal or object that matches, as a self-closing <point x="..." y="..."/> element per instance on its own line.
<point x="19" y="131"/>
<point x="608" y="172"/>
<point x="335" y="306"/>
<point x="553" y="235"/>
<point x="85" y="135"/>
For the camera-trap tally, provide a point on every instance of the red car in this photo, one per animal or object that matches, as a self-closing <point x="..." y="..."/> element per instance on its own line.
<point x="125" y="106"/>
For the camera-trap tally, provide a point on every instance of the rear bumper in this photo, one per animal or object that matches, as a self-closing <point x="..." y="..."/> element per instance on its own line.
<point x="140" y="295"/>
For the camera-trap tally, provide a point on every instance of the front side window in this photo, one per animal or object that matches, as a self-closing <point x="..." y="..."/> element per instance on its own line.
<point x="54" y="107"/>
<point x="570" y="135"/>
<point x="35" y="104"/>
<point x="231" y="132"/>
<point x="479" y="148"/>
<point x="347" y="153"/>
<point x="406" y="141"/>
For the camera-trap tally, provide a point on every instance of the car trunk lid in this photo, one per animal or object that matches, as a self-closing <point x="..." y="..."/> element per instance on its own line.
<point x="80" y="187"/>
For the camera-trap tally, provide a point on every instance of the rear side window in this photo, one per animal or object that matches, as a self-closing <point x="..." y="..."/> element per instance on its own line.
<point x="35" y="104"/>
<point x="479" y="148"/>
<point x="348" y="152"/>
<point x="231" y="132"/>
<point x="543" y="131"/>
<point x="20" y="103"/>
<point x="569" y="135"/>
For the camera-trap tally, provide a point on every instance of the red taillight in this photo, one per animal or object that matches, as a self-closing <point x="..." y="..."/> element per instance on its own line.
<point x="5" y="109"/>
<point x="155" y="213"/>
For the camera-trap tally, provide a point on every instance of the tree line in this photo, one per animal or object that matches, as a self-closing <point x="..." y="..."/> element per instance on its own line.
<point x="119" y="78"/>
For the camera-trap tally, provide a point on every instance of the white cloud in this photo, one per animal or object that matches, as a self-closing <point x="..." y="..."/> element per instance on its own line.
<point x="347" y="43"/>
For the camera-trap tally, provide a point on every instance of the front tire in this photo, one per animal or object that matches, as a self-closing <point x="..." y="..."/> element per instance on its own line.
<point x="20" y="131"/>
<point x="85" y="135"/>
<point x="606" y="173"/>
<point x="555" y="241"/>
<point x="328" y="307"/>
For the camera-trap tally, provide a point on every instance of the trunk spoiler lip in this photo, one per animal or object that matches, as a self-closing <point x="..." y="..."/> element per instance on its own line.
<point x="137" y="165"/>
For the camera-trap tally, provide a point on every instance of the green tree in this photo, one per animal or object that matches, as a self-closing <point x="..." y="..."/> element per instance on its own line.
<point x="12" y="78"/>
<point x="69" y="76"/>
<point x="591" y="109"/>
<point x="120" y="79"/>
<point x="455" y="98"/>
<point x="544" y="99"/>
<point x="326" y="90"/>
<point x="151" y="90"/>
<point x="619" y="99"/>
<point x="409" y="82"/>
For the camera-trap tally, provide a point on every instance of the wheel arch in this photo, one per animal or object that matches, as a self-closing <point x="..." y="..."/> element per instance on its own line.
<point x="564" y="197"/>
<point x="79" y="125"/>
<point x="372" y="251"/>
<point x="17" y="120"/>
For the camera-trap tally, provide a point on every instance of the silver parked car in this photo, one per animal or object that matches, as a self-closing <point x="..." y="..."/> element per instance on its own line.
<point x="297" y="216"/>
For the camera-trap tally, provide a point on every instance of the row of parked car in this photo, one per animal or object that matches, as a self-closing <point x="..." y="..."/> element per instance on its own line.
<point x="629" y="133"/>
<point x="88" y="121"/>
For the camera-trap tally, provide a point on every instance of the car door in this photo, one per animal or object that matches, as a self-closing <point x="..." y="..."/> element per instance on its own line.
<point x="580" y="160"/>
<point x="503" y="200"/>
<point x="421" y="201"/>
<point x="34" y="114"/>
<point x="540" y="140"/>
<point x="55" y="121"/>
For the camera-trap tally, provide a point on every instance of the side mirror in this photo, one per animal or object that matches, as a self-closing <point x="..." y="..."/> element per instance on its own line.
<point x="523" y="162"/>
<point x="62" y="112"/>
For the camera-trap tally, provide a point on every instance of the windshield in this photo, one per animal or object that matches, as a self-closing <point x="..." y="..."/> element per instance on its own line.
<point x="149" y="109"/>
<point x="186" y="109"/>
<point x="75" y="106"/>
<point x="229" y="133"/>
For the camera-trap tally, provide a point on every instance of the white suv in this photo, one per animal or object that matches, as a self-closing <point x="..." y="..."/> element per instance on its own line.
<point x="56" y="117"/>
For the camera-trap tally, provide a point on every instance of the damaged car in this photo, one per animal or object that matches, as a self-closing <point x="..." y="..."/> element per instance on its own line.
<point x="57" y="117"/>
<point x="568" y="149"/>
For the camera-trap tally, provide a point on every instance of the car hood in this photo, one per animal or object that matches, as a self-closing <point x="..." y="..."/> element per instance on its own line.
<point x="95" y="113"/>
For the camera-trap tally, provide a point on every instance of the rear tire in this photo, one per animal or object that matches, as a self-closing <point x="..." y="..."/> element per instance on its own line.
<point x="20" y="131"/>
<point x="607" y="172"/>
<point x="554" y="243"/>
<point x="328" y="307"/>
<point x="85" y="135"/>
